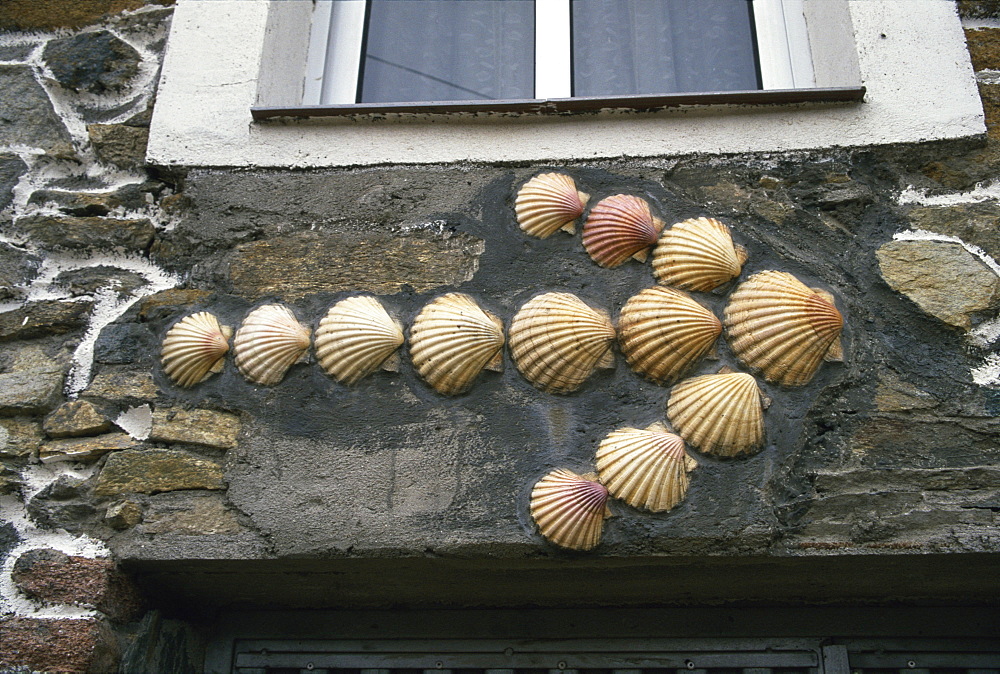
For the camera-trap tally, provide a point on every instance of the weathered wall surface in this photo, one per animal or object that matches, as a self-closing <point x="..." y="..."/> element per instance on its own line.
<point x="894" y="451"/>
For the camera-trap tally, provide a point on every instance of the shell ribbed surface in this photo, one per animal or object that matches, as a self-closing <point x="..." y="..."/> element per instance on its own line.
<point x="269" y="341"/>
<point x="355" y="337"/>
<point x="663" y="332"/>
<point x="452" y="339"/>
<point x="697" y="254"/>
<point x="557" y="341"/>
<point x="620" y="227"/>
<point x="570" y="509"/>
<point x="194" y="349"/>
<point x="547" y="203"/>
<point x="719" y="414"/>
<point x="776" y="325"/>
<point x="646" y="468"/>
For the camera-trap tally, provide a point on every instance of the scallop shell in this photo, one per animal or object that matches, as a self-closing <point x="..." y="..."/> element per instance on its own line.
<point x="570" y="509"/>
<point x="269" y="342"/>
<point x="452" y="339"/>
<point x="663" y="332"/>
<point x="356" y="337"/>
<point x="646" y="468"/>
<point x="776" y="325"/>
<point x="697" y="254"/>
<point x="618" y="228"/>
<point x="195" y="348"/>
<point x="557" y="341"/>
<point x="547" y="203"/>
<point x="719" y="413"/>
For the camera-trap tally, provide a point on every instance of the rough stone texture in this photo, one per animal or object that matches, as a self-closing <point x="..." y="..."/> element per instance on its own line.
<point x="975" y="223"/>
<point x="134" y="196"/>
<point x="16" y="52"/>
<point x="87" y="232"/>
<point x="979" y="9"/>
<point x="944" y="279"/>
<point x="990" y="96"/>
<point x="123" y="515"/>
<point x="124" y="343"/>
<point x="984" y="48"/>
<point x="23" y="437"/>
<point x="85" y="449"/>
<point x="42" y="318"/>
<point x="380" y="262"/>
<point x="26" y="114"/>
<point x="89" y="280"/>
<point x="74" y="419"/>
<point x="190" y="514"/>
<point x="63" y="505"/>
<point x="16" y="268"/>
<point x="150" y="471"/>
<point x="33" y="15"/>
<point x="199" y="427"/>
<point x="52" y="577"/>
<point x="167" y="302"/>
<point x="163" y="645"/>
<point x="58" y="645"/>
<point x="896" y="395"/>
<point x="122" y="385"/>
<point x="118" y="144"/>
<point x="33" y="391"/>
<point x="96" y="62"/>
<point x="11" y="169"/>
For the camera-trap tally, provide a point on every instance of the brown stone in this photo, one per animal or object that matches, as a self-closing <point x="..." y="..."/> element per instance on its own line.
<point x="55" y="578"/>
<point x="989" y="94"/>
<point x="85" y="449"/>
<point x="22" y="436"/>
<point x="975" y="223"/>
<point x="190" y="514"/>
<point x="123" y="515"/>
<point x="87" y="232"/>
<point x="149" y="471"/>
<point x="39" y="319"/>
<point x="379" y="262"/>
<point x="75" y="419"/>
<point x="198" y="427"/>
<point x="122" y="385"/>
<point x="943" y="279"/>
<point x="170" y="300"/>
<point x="51" y="14"/>
<point x="984" y="47"/>
<point x="118" y="144"/>
<point x="58" y="645"/>
<point x="895" y="395"/>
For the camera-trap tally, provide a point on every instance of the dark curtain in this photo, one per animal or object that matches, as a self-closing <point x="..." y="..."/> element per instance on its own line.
<point x="449" y="50"/>
<point x="623" y="47"/>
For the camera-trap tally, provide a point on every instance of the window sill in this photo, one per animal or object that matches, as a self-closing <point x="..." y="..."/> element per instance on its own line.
<point x="569" y="105"/>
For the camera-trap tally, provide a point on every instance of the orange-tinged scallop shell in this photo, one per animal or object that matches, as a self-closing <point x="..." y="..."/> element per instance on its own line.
<point x="547" y="203"/>
<point x="269" y="341"/>
<point x="452" y="340"/>
<point x="697" y="254"/>
<point x="570" y="509"/>
<point x="356" y="337"/>
<point x="776" y="325"/>
<point x="663" y="332"/>
<point x="719" y="414"/>
<point x="557" y="341"/>
<point x="195" y="348"/>
<point x="620" y="227"/>
<point x="647" y="468"/>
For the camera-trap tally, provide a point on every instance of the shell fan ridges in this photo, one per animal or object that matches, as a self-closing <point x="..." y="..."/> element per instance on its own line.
<point x="268" y="343"/>
<point x="547" y="203"/>
<point x="570" y="509"/>
<point x="194" y="349"/>
<point x="620" y="227"/>
<point x="646" y="468"/>
<point x="697" y="254"/>
<point x="355" y="338"/>
<point x="780" y="327"/>
<point x="720" y="414"/>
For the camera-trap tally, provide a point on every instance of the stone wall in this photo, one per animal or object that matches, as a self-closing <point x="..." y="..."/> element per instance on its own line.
<point x="107" y="464"/>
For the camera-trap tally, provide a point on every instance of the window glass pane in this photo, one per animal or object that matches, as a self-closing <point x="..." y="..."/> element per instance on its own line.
<point x="449" y="50"/>
<point x="623" y="47"/>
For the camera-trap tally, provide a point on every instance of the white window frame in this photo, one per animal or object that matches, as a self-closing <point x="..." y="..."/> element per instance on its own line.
<point x="226" y="56"/>
<point x="337" y="35"/>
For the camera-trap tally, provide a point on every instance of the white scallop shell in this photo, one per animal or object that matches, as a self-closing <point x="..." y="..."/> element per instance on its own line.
<point x="195" y="348"/>
<point x="646" y="468"/>
<point x="547" y="203"/>
<point x="356" y="337"/>
<point x="697" y="254"/>
<point x="663" y="332"/>
<point x="782" y="328"/>
<point x="719" y="414"/>
<point x="570" y="509"/>
<point x="269" y="342"/>
<point x="452" y="340"/>
<point x="557" y="341"/>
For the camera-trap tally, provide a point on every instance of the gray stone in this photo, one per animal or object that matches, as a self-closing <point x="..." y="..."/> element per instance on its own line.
<point x="975" y="223"/>
<point x="30" y="391"/>
<point x="23" y="437"/>
<point x="134" y="196"/>
<point x="895" y="395"/>
<point x="16" y="52"/>
<point x="11" y="170"/>
<point x="74" y="419"/>
<point x="123" y="343"/>
<point x="96" y="62"/>
<point x="123" y="515"/>
<point x="167" y="303"/>
<point x="122" y="385"/>
<point x="86" y="232"/>
<point x="118" y="144"/>
<point x="26" y="114"/>
<point x="378" y="262"/>
<point x="85" y="449"/>
<point x="42" y="318"/>
<point x="943" y="279"/>
<point x="199" y="427"/>
<point x="979" y="9"/>
<point x="150" y="471"/>
<point x="88" y="280"/>
<point x="16" y="269"/>
<point x="64" y="488"/>
<point x="189" y="513"/>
